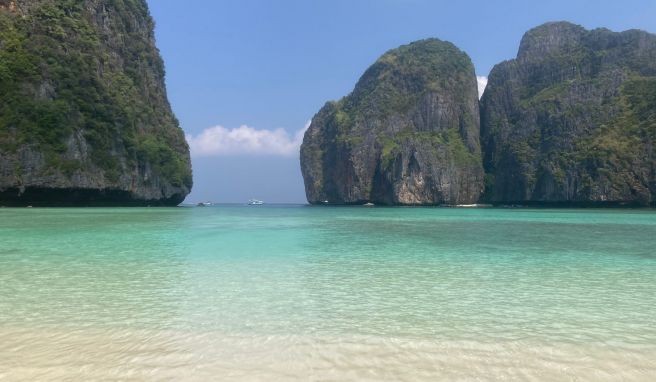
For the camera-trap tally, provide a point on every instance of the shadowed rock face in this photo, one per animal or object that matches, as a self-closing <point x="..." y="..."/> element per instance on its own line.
<point x="79" y="197"/>
<point x="408" y="134"/>
<point x="571" y="120"/>
<point x="84" y="116"/>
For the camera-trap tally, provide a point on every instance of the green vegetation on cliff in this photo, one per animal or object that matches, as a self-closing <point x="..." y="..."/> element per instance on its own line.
<point x="399" y="79"/>
<point x="572" y="120"/>
<point x="76" y="69"/>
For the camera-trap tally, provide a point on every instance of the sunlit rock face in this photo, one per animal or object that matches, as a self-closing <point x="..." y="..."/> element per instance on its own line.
<point x="408" y="134"/>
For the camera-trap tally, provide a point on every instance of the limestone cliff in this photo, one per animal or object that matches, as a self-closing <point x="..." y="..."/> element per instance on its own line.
<point x="84" y="116"/>
<point x="408" y="134"/>
<point x="572" y="119"/>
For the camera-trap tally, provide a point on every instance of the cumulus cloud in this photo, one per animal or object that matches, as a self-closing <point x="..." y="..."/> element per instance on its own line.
<point x="245" y="140"/>
<point x="482" y="83"/>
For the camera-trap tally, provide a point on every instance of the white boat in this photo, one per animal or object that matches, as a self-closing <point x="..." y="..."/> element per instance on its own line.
<point x="255" y="202"/>
<point x="204" y="204"/>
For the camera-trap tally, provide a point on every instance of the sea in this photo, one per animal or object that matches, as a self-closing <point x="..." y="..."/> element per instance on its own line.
<point x="301" y="293"/>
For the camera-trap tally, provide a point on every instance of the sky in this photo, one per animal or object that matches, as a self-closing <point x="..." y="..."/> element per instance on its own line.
<point x="245" y="77"/>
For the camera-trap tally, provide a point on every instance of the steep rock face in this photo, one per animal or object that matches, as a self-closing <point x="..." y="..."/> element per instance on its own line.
<point x="408" y="134"/>
<point x="84" y="116"/>
<point x="571" y="120"/>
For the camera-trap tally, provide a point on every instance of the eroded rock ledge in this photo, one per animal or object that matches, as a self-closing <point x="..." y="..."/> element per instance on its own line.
<point x="80" y="197"/>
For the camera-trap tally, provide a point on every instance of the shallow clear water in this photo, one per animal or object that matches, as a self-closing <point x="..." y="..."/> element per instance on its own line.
<point x="303" y="293"/>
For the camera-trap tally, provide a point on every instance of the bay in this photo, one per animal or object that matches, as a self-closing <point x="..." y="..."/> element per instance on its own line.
<point x="323" y="293"/>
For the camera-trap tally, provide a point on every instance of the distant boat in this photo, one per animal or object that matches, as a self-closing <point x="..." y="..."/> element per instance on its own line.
<point x="204" y="204"/>
<point x="368" y="204"/>
<point x="255" y="202"/>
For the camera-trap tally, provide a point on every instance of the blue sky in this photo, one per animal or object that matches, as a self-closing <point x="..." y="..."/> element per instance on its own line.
<point x="245" y="76"/>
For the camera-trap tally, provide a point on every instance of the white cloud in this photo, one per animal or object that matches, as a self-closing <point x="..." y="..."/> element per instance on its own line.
<point x="245" y="140"/>
<point x="482" y="83"/>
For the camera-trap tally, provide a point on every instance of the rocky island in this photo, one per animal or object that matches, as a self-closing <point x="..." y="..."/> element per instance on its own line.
<point x="570" y="122"/>
<point x="408" y="134"/>
<point x="84" y="115"/>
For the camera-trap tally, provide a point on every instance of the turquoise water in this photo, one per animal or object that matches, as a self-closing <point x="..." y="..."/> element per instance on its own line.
<point x="297" y="292"/>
